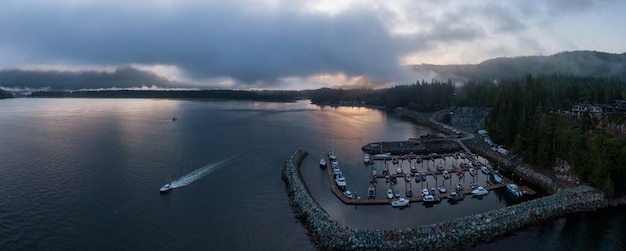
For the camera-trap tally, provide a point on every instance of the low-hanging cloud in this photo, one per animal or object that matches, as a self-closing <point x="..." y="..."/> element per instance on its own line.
<point x="261" y="43"/>
<point x="205" y="40"/>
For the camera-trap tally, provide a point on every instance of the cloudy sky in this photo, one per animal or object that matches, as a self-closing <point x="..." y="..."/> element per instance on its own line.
<point x="296" y="44"/>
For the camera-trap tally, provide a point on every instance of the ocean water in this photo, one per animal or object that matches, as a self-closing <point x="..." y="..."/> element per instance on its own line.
<point x="79" y="174"/>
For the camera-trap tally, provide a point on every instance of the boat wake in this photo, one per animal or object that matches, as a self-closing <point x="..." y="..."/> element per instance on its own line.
<point x="198" y="173"/>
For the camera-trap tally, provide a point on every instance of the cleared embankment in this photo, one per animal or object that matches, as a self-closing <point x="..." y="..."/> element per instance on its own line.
<point x="328" y="234"/>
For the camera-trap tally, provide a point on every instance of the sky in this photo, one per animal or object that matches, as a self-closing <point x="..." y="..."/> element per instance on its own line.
<point x="296" y="44"/>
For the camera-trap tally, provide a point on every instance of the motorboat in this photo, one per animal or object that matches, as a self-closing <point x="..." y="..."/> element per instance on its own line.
<point x="408" y="177"/>
<point x="474" y="185"/>
<point x="485" y="170"/>
<point x="431" y="199"/>
<point x="439" y="168"/>
<point x="442" y="189"/>
<point x="446" y="175"/>
<point x="341" y="182"/>
<point x="401" y="202"/>
<point x="497" y="178"/>
<point x="348" y="194"/>
<point x="417" y="178"/>
<point x="374" y="171"/>
<point x="371" y="192"/>
<point x="397" y="193"/>
<point x="423" y="176"/>
<point x="366" y="159"/>
<point x="473" y="172"/>
<point x="458" y="187"/>
<point x="425" y="191"/>
<point x="462" y="155"/>
<point x="323" y="163"/>
<point x="395" y="161"/>
<point x="166" y="188"/>
<point x="399" y="170"/>
<point x="464" y="165"/>
<point x="413" y="169"/>
<point x="382" y="156"/>
<point x="514" y="190"/>
<point x="480" y="191"/>
<point x="455" y="197"/>
<point x="337" y="171"/>
<point x="389" y="194"/>
<point x="331" y="155"/>
<point x="418" y="159"/>
<point x="409" y="192"/>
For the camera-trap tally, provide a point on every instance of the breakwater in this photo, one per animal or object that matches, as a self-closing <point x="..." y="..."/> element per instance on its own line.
<point x="328" y="234"/>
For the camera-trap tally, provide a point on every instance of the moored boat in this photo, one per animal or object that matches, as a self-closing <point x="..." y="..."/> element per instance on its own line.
<point x="459" y="187"/>
<point x="408" y="177"/>
<point x="455" y="197"/>
<point x="323" y="163"/>
<point x="348" y="194"/>
<point x="479" y="191"/>
<point x="485" y="170"/>
<point x="397" y="193"/>
<point x="497" y="178"/>
<point x="439" y="168"/>
<point x="371" y="192"/>
<point x="514" y="190"/>
<point x="401" y="202"/>
<point x="425" y="191"/>
<point x="366" y="159"/>
<point x="472" y="172"/>
<point x="341" y="182"/>
<point x="446" y="175"/>
<point x="431" y="199"/>
<point x="389" y="194"/>
<point x="442" y="189"/>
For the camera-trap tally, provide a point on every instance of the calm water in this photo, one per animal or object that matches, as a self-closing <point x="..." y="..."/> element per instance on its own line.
<point x="83" y="174"/>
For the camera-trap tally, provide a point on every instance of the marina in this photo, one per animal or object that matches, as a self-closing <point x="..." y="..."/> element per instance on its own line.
<point x="425" y="175"/>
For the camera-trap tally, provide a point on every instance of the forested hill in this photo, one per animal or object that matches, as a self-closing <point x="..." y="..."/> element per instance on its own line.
<point x="5" y="94"/>
<point x="578" y="63"/>
<point x="282" y="96"/>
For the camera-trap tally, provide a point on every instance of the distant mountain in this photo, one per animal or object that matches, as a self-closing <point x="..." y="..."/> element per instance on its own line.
<point x="124" y="77"/>
<point x="582" y="63"/>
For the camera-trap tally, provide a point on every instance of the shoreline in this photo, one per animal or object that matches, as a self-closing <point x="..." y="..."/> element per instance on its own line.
<point x="328" y="234"/>
<point x="451" y="234"/>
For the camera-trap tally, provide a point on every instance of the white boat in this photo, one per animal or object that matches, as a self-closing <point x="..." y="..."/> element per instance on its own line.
<point x="341" y="182"/>
<point x="397" y="193"/>
<point x="374" y="171"/>
<point x="442" y="189"/>
<point x="402" y="202"/>
<point x="425" y="191"/>
<point x="399" y="170"/>
<point x="395" y="161"/>
<point x="446" y="175"/>
<point x="472" y="171"/>
<point x="431" y="198"/>
<point x="371" y="192"/>
<point x="382" y="156"/>
<point x="485" y="170"/>
<point x="497" y="178"/>
<point x="408" y="177"/>
<point x="166" y="188"/>
<point x="514" y="190"/>
<point x="439" y="168"/>
<point x="480" y="191"/>
<point x="462" y="155"/>
<point x="413" y="169"/>
<point x="389" y="194"/>
<point x="348" y="194"/>
<point x="331" y="155"/>
<point x="323" y="163"/>
<point x="366" y="159"/>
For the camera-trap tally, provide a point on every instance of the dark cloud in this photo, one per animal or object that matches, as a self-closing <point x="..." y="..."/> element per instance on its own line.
<point x="206" y="40"/>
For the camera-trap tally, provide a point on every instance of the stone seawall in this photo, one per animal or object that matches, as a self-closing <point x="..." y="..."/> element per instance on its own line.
<point x="328" y="234"/>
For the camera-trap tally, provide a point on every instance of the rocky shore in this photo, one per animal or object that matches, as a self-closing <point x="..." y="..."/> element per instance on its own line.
<point x="328" y="234"/>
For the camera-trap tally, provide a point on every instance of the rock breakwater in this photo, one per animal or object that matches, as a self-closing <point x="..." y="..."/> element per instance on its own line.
<point x="328" y="234"/>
